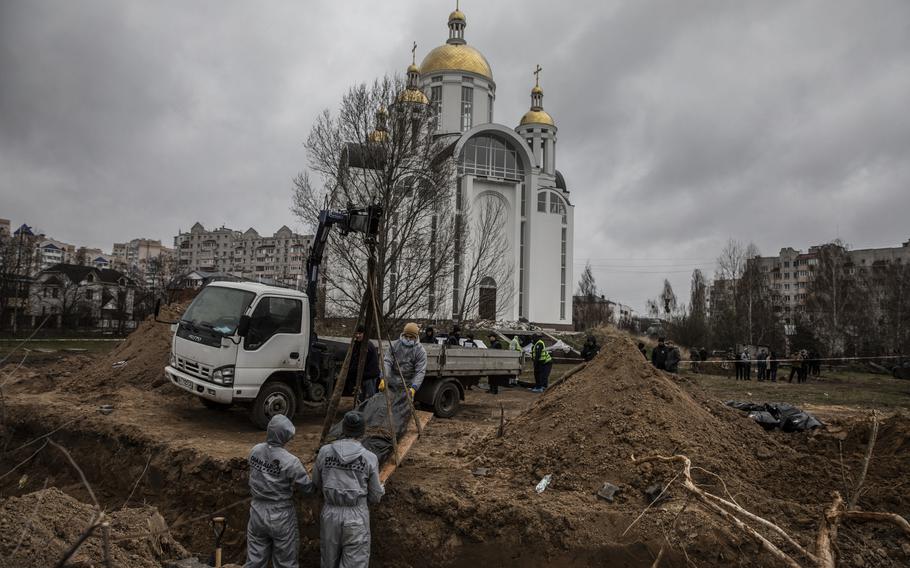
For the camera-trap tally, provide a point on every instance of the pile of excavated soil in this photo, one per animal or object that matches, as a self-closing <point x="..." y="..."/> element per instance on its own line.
<point x="139" y="362"/>
<point x="586" y="429"/>
<point x="479" y="504"/>
<point x="38" y="528"/>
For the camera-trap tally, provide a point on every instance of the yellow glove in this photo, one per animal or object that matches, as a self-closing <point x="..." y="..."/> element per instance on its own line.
<point x="412" y="391"/>
<point x="382" y="384"/>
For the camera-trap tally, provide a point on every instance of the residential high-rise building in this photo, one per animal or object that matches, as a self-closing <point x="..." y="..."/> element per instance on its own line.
<point x="280" y="257"/>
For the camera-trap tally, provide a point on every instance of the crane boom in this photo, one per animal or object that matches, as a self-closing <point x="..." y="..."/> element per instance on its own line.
<point x="363" y="220"/>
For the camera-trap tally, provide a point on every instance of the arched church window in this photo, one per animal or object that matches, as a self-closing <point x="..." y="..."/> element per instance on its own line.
<point x="542" y="202"/>
<point x="558" y="206"/>
<point x="491" y="156"/>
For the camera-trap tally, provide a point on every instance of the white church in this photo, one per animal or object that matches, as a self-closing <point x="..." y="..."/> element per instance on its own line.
<point x="516" y="165"/>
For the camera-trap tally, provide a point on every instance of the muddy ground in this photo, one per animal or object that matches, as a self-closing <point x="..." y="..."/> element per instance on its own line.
<point x="463" y="497"/>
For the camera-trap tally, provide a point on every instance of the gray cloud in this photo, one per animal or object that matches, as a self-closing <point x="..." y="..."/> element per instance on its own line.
<point x="681" y="123"/>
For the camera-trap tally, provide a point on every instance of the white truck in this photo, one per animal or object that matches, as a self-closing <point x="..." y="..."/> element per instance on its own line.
<point x="254" y="345"/>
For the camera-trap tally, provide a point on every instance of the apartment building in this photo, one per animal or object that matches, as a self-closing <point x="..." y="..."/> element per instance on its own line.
<point x="52" y="252"/>
<point x="280" y="257"/>
<point x="788" y="274"/>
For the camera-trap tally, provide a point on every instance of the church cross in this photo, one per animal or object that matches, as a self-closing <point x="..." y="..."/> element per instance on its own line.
<point x="537" y="75"/>
<point x="414" y="54"/>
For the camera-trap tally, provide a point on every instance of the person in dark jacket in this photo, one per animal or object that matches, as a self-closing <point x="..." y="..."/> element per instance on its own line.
<point x="469" y="342"/>
<point x="773" y="364"/>
<point x="590" y="348"/>
<point x="659" y="355"/>
<point x="454" y="338"/>
<point x="642" y="350"/>
<point x="703" y="354"/>
<point x="495" y="343"/>
<point x="429" y="335"/>
<point x="671" y="365"/>
<point x="370" y="367"/>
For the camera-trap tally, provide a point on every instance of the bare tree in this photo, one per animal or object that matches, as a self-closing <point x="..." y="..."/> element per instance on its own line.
<point x="366" y="154"/>
<point x="833" y="298"/>
<point x="667" y="299"/>
<point x="485" y="267"/>
<point x="18" y="263"/>
<point x="590" y="309"/>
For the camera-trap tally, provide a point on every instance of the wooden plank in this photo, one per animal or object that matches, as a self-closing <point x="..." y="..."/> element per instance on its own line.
<point x="404" y="444"/>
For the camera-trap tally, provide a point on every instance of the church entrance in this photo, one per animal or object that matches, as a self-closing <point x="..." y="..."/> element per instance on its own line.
<point x="487" y="302"/>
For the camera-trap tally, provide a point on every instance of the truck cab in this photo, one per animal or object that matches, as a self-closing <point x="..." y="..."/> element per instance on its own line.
<point x="247" y="343"/>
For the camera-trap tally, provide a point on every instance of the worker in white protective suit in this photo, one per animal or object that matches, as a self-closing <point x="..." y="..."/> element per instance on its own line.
<point x="272" y="530"/>
<point x="406" y="359"/>
<point x="348" y="475"/>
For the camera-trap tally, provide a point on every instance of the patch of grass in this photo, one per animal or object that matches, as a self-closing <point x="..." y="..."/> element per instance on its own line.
<point x="854" y="389"/>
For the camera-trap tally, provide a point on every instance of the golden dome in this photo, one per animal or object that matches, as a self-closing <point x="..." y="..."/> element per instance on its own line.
<point x="456" y="57"/>
<point x="413" y="68"/>
<point x="457" y="15"/>
<point x="536" y="90"/>
<point x="378" y="136"/>
<point x="537" y="117"/>
<point x="413" y="96"/>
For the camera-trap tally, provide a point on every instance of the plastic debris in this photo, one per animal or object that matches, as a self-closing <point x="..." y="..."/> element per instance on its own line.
<point x="608" y="491"/>
<point x="119" y="364"/>
<point x="106" y="409"/>
<point x="777" y="414"/>
<point x="544" y="483"/>
<point x="481" y="472"/>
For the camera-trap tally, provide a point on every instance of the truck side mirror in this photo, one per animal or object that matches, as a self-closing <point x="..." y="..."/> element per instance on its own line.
<point x="243" y="327"/>
<point x="157" y="307"/>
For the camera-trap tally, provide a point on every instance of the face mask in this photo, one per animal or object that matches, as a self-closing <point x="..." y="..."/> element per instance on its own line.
<point x="408" y="341"/>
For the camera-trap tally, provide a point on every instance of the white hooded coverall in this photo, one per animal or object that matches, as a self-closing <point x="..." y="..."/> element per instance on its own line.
<point x="272" y="530"/>
<point x="348" y="475"/>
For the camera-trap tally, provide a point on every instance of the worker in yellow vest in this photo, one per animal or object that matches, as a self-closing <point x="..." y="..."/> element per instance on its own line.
<point x="543" y="364"/>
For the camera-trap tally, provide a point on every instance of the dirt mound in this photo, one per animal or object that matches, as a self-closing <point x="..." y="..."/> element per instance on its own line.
<point x="479" y="506"/>
<point x="585" y="430"/>
<point x="36" y="530"/>
<point x="139" y="361"/>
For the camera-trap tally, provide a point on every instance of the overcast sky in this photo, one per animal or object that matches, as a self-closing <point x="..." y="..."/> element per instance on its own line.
<point x="681" y="123"/>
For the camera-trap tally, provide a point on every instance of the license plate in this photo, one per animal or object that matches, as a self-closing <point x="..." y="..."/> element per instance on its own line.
<point x="185" y="383"/>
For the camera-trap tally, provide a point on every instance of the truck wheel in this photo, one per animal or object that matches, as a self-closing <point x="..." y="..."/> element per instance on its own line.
<point x="448" y="399"/>
<point x="274" y="398"/>
<point x="213" y="404"/>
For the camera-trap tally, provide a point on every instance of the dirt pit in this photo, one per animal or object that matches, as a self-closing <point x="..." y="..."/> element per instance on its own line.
<point x="463" y="497"/>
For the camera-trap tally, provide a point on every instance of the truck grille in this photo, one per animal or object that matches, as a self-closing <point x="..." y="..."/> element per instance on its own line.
<point x="194" y="368"/>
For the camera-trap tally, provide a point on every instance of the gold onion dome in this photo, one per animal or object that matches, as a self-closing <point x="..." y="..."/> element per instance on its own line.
<point x="413" y="96"/>
<point x="455" y="54"/>
<point x="456" y="57"/>
<point x="537" y="117"/>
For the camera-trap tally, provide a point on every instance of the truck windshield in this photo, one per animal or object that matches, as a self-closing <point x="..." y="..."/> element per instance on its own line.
<point x="218" y="309"/>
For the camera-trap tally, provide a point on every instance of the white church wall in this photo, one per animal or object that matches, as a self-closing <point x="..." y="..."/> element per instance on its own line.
<point x="507" y="294"/>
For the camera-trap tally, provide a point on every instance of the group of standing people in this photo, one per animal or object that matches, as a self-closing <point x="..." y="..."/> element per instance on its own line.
<point x="665" y="356"/>
<point x="767" y="363"/>
<point x="807" y="363"/>
<point x="346" y="472"/>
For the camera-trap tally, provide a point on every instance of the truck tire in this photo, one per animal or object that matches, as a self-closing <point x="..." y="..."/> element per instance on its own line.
<point x="274" y="398"/>
<point x="213" y="404"/>
<point x="447" y="401"/>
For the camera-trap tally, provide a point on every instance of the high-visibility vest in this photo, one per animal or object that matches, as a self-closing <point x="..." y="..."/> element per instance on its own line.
<point x="544" y="354"/>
